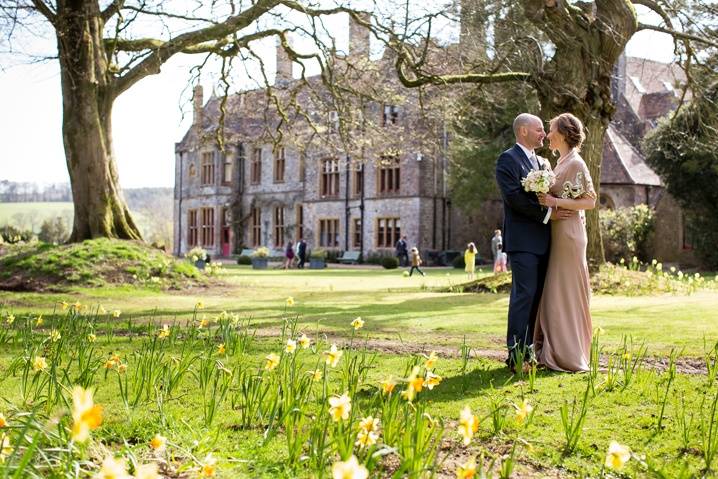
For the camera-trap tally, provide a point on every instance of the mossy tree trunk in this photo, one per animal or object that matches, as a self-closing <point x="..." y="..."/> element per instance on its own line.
<point x="87" y="99"/>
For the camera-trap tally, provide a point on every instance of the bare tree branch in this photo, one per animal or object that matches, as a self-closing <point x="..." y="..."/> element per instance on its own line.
<point x="112" y="9"/>
<point x="680" y="35"/>
<point x="45" y="9"/>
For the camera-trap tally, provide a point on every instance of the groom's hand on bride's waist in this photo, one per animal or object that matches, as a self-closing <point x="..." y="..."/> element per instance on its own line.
<point x="562" y="213"/>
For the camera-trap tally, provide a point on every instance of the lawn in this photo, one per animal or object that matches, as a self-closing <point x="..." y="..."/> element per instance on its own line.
<point x="232" y="405"/>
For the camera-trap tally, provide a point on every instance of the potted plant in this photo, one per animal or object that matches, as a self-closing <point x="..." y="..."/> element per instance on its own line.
<point x="318" y="259"/>
<point x="198" y="257"/>
<point x="260" y="258"/>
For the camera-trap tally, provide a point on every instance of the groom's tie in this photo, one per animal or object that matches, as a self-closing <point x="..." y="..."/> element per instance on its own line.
<point x="534" y="161"/>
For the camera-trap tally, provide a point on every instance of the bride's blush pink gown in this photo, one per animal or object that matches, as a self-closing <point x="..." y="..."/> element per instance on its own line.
<point x="562" y="335"/>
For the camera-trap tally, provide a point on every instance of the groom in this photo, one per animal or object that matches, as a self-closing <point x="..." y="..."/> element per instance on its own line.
<point x="527" y="235"/>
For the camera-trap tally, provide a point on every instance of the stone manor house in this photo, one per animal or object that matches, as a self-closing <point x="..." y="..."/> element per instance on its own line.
<point x="264" y="189"/>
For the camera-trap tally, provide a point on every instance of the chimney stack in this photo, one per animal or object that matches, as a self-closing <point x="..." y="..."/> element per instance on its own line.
<point x="198" y="102"/>
<point x="359" y="36"/>
<point x="284" y="65"/>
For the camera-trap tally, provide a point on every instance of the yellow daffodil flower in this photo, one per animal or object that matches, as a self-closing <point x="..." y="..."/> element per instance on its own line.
<point x="431" y="360"/>
<point x="158" y="442"/>
<point x="272" y="361"/>
<point x="122" y="368"/>
<point x="523" y="411"/>
<point x="5" y="449"/>
<point x="304" y="341"/>
<point x="617" y="455"/>
<point x="116" y="313"/>
<point x="468" y="425"/>
<point x="39" y="363"/>
<point x="91" y="338"/>
<point x="333" y="356"/>
<point x="209" y="468"/>
<point x="387" y="386"/>
<point x="221" y="349"/>
<point x="340" y="407"/>
<point x="414" y="385"/>
<point x="64" y="305"/>
<point x="466" y="470"/>
<point x="113" y="469"/>
<point x="55" y="335"/>
<point x="316" y="375"/>
<point x="164" y="332"/>
<point x="39" y="321"/>
<point x="199" y="305"/>
<point x="101" y="310"/>
<point x="357" y="324"/>
<point x="10" y="319"/>
<point x="147" y="471"/>
<point x="432" y="380"/>
<point x="3" y="421"/>
<point x="350" y="469"/>
<point x="291" y="346"/>
<point x="290" y="301"/>
<point x="369" y="423"/>
<point x="86" y="415"/>
<point x="366" y="438"/>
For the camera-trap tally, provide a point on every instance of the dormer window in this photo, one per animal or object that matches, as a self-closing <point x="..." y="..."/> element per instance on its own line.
<point x="390" y="115"/>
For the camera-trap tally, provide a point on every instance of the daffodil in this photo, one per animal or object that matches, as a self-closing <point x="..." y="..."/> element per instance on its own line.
<point x="523" y="411"/>
<point x="39" y="363"/>
<point x="431" y="360"/>
<point x="304" y="341"/>
<point x="158" y="442"/>
<point x="5" y="449"/>
<point x="290" y="301"/>
<point x="468" y="425"/>
<point x="55" y="335"/>
<point x="387" y="386"/>
<point x="208" y="468"/>
<point x="203" y="323"/>
<point x="617" y="455"/>
<point x="86" y="415"/>
<point x="291" y="346"/>
<point x="109" y="364"/>
<point x="116" y="313"/>
<point x="101" y="310"/>
<point x="221" y="349"/>
<point x="358" y="323"/>
<point x="466" y="470"/>
<point x="333" y="356"/>
<point x="39" y="321"/>
<point x="10" y="319"/>
<point x="414" y="385"/>
<point x="340" y="407"/>
<point x="164" y="332"/>
<point x="3" y="421"/>
<point x="369" y="423"/>
<point x="316" y="375"/>
<point x="91" y="338"/>
<point x="199" y="305"/>
<point x="366" y="438"/>
<point x="64" y="305"/>
<point x="350" y="469"/>
<point x="122" y="368"/>
<point x="432" y="380"/>
<point x="272" y="361"/>
<point x="113" y="469"/>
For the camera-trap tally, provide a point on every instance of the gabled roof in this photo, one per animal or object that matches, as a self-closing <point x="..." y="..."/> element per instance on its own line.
<point x="648" y="77"/>
<point x="623" y="164"/>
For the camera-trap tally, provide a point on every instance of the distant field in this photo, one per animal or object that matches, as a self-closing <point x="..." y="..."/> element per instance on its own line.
<point x="33" y="214"/>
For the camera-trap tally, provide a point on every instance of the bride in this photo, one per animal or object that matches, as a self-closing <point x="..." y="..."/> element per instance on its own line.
<point x="562" y="336"/>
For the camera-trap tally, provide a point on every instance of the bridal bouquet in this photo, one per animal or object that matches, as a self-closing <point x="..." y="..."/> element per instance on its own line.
<point x="539" y="181"/>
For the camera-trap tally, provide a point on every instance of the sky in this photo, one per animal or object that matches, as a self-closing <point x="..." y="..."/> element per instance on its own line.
<point x="147" y="119"/>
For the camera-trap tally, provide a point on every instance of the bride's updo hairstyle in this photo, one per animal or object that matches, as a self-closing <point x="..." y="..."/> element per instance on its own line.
<point x="571" y="129"/>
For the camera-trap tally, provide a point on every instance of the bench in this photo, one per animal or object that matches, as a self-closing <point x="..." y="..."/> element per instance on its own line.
<point x="349" y="257"/>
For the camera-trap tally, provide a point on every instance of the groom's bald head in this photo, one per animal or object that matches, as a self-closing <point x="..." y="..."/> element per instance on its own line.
<point x="528" y="130"/>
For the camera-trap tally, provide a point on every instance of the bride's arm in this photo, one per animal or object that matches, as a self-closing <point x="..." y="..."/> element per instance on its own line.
<point x="586" y="202"/>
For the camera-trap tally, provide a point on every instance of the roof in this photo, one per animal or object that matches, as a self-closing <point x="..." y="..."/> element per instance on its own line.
<point x="656" y="79"/>
<point x="623" y="164"/>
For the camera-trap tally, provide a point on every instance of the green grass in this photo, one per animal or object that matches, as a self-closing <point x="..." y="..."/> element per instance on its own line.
<point x="41" y="211"/>
<point x="399" y="310"/>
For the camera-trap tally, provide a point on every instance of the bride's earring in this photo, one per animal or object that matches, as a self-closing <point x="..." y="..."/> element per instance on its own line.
<point x="555" y="153"/>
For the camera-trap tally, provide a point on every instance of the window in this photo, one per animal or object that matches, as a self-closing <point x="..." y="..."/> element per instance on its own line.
<point x="241" y="160"/>
<point x="333" y="121"/>
<point x="389" y="175"/>
<point x="300" y="221"/>
<point x="388" y="232"/>
<point x="207" y="226"/>
<point x="329" y="186"/>
<point x="356" y="242"/>
<point x="192" y="232"/>
<point x="192" y="170"/>
<point x="256" y="227"/>
<point x="207" y="177"/>
<point x="278" y="227"/>
<point x="256" y="173"/>
<point x="358" y="183"/>
<point x="329" y="233"/>
<point x="390" y="115"/>
<point x="227" y="168"/>
<point x="279" y="166"/>
<point x="302" y="166"/>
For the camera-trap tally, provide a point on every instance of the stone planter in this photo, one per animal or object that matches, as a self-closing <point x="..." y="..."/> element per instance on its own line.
<point x="260" y="263"/>
<point x="200" y="264"/>
<point x="317" y="263"/>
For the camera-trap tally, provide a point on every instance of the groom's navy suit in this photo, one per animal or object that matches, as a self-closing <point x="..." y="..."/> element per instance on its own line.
<point x="526" y="241"/>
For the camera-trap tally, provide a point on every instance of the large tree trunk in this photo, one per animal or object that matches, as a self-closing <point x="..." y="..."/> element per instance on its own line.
<point x="100" y="209"/>
<point x="578" y="80"/>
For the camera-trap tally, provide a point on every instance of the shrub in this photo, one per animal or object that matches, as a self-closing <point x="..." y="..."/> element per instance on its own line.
<point x="196" y="254"/>
<point x="318" y="253"/>
<point x="14" y="235"/>
<point x="244" y="259"/>
<point x="625" y="232"/>
<point x="459" y="262"/>
<point x="261" y="252"/>
<point x="390" y="262"/>
<point x="53" y="230"/>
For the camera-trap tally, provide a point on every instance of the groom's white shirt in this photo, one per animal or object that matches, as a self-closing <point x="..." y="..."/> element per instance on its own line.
<point x="533" y="159"/>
